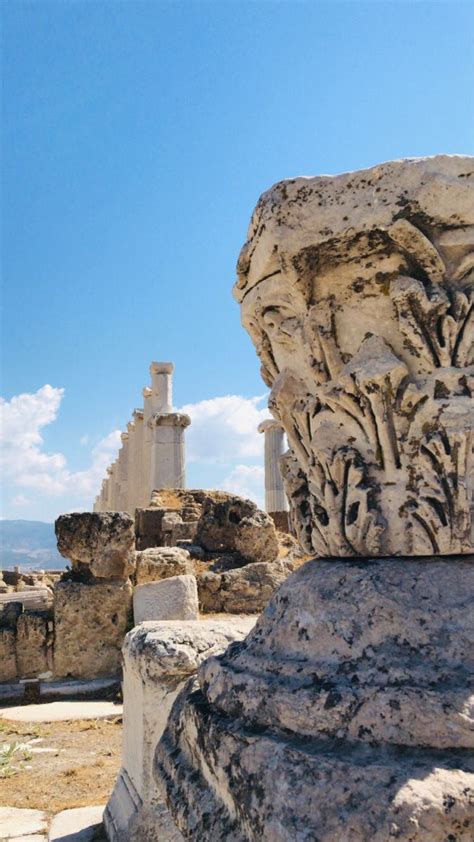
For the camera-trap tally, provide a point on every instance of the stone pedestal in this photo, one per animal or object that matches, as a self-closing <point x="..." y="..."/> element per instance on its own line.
<point x="93" y="606"/>
<point x="158" y="659"/>
<point x="276" y="503"/>
<point x="168" y="463"/>
<point x="347" y="713"/>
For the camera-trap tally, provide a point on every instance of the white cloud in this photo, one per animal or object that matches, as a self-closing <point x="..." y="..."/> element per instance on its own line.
<point x="224" y="430"/>
<point x="247" y="481"/>
<point x="24" y="463"/>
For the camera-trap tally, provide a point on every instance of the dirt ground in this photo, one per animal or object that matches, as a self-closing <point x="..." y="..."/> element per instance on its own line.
<point x="78" y="769"/>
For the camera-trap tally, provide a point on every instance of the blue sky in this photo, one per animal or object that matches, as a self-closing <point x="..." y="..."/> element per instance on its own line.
<point x="137" y="138"/>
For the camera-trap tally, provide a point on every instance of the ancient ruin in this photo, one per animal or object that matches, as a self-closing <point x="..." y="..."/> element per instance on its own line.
<point x="190" y="552"/>
<point x="276" y="502"/>
<point x="152" y="454"/>
<point x="347" y="712"/>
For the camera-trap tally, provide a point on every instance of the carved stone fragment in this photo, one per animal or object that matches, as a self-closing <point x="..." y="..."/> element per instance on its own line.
<point x="358" y="293"/>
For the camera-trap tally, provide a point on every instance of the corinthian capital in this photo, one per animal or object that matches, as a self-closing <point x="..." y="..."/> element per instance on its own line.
<point x="357" y="291"/>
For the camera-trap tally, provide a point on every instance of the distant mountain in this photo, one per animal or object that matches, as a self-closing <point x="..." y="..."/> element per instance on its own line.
<point x="30" y="545"/>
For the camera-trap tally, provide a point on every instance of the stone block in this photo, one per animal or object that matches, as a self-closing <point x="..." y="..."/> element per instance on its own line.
<point x="231" y="524"/>
<point x="101" y="543"/>
<point x="34" y="655"/>
<point x="8" y="668"/>
<point x="244" y="590"/>
<point x="158" y="657"/>
<point x="162" y="563"/>
<point x="170" y="599"/>
<point x="91" y="621"/>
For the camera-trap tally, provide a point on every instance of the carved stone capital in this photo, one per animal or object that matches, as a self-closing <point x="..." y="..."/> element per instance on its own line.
<point x="170" y="419"/>
<point x="358" y="291"/>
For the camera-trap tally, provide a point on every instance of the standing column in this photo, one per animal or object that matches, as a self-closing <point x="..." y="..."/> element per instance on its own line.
<point x="123" y="474"/>
<point x="103" y="496"/>
<point x="162" y="386"/>
<point x="131" y="468"/>
<point x="145" y="484"/>
<point x="138" y="459"/>
<point x="112" y="471"/>
<point x="276" y="503"/>
<point x="168" y="463"/>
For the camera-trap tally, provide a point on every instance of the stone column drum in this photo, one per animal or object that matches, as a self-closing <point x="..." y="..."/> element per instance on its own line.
<point x="276" y="503"/>
<point x="168" y="463"/>
<point x="347" y="713"/>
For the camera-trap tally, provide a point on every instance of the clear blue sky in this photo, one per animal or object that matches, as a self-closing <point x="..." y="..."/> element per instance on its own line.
<point x="137" y="137"/>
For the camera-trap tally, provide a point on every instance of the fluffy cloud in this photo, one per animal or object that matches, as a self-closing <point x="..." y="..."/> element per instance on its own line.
<point x="25" y="464"/>
<point x="224" y="448"/>
<point x="247" y="481"/>
<point x="224" y="430"/>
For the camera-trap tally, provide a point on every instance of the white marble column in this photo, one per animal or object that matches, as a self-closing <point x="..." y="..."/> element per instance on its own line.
<point x="145" y="490"/>
<point x="103" y="496"/>
<point x="123" y="474"/>
<point x="168" y="463"/>
<point x="276" y="502"/>
<point x="138" y="460"/>
<point x="131" y="468"/>
<point x="113" y="487"/>
<point x="162" y="386"/>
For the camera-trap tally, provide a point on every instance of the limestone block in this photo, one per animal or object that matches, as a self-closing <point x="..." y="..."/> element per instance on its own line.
<point x="158" y="659"/>
<point x="32" y="642"/>
<point x="356" y="686"/>
<point x="171" y="599"/>
<point x="244" y="590"/>
<point x="230" y="523"/>
<point x="8" y="669"/>
<point x="161" y="563"/>
<point x="357" y="292"/>
<point x="100" y="542"/>
<point x="90" y="624"/>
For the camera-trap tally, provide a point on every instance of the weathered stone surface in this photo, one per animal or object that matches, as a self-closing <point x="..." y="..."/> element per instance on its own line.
<point x="8" y="669"/>
<point x="9" y="613"/>
<point x="171" y="599"/>
<point x="90" y="624"/>
<point x="230" y="523"/>
<point x="100" y="542"/>
<point x="33" y="645"/>
<point x="244" y="590"/>
<point x="356" y="686"/>
<point x="161" y="563"/>
<point x="357" y="291"/>
<point x="158" y="659"/>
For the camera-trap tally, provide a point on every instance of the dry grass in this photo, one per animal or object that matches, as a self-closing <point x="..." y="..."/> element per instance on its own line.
<point x="80" y="771"/>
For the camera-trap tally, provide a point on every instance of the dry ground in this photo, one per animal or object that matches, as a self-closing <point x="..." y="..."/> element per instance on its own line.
<point x="79" y="771"/>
